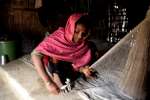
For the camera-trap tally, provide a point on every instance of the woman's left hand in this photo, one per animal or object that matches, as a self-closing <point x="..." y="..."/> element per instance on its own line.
<point x="87" y="71"/>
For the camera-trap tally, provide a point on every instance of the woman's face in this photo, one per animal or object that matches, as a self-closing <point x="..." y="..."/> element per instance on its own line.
<point x="80" y="33"/>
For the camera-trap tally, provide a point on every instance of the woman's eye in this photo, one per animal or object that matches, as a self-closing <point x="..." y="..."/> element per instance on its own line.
<point x="76" y="32"/>
<point x="84" y="34"/>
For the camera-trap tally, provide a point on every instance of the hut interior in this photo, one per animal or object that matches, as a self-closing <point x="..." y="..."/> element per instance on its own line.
<point x="24" y="23"/>
<point x="27" y="21"/>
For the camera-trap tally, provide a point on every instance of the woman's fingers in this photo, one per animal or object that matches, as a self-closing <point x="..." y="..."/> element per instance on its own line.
<point x="87" y="72"/>
<point x="52" y="88"/>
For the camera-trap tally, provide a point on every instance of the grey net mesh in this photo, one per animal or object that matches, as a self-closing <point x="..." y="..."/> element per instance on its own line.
<point x="122" y="70"/>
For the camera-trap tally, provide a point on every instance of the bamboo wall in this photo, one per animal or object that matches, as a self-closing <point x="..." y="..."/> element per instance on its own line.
<point x="20" y="16"/>
<point x="20" y="20"/>
<point x="22" y="3"/>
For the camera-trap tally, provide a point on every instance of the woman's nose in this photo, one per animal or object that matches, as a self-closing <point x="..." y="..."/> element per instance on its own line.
<point x="80" y="35"/>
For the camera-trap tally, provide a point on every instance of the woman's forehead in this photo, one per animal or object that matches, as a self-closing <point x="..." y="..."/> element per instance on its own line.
<point x="80" y="27"/>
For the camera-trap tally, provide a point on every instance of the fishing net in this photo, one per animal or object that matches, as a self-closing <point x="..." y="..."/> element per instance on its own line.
<point x="122" y="70"/>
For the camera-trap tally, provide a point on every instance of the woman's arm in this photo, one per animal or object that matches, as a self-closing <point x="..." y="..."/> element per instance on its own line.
<point x="51" y="86"/>
<point x="37" y="61"/>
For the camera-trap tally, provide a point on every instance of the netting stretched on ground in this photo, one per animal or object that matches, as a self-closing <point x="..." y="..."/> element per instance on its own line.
<point x="122" y="69"/>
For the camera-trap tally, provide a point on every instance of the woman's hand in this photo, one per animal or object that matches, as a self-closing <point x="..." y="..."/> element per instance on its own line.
<point x="52" y="88"/>
<point x="87" y="71"/>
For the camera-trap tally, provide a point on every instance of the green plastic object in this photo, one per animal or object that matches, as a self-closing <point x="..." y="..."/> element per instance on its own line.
<point x="8" y="48"/>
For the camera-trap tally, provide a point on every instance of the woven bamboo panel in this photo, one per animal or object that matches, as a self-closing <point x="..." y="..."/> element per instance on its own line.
<point x="21" y="16"/>
<point x="22" y="3"/>
<point x="24" y="21"/>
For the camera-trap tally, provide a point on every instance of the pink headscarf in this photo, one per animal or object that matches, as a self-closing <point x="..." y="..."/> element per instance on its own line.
<point x="59" y="45"/>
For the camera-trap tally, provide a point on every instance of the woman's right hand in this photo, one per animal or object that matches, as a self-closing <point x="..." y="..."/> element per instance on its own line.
<point x="52" y="88"/>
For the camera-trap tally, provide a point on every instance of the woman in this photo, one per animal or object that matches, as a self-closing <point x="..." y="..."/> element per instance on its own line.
<point x="66" y="48"/>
